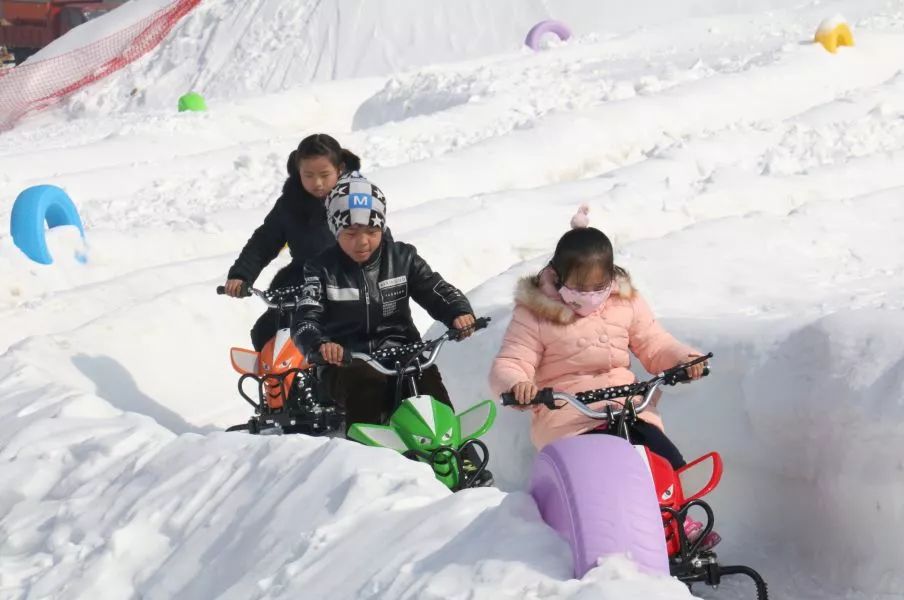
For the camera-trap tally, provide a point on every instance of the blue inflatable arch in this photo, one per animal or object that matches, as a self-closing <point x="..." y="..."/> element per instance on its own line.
<point x="33" y="208"/>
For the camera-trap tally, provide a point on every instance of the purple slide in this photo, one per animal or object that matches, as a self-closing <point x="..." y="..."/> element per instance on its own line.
<point x="597" y="492"/>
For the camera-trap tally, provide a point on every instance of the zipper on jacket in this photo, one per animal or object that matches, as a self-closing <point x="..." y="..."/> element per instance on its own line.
<point x="367" y="310"/>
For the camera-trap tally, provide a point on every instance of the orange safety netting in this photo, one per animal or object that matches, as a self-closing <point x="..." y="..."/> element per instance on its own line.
<point x="33" y="86"/>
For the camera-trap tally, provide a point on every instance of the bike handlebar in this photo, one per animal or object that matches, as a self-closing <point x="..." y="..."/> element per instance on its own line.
<point x="397" y="352"/>
<point x="403" y="352"/>
<point x="272" y="298"/>
<point x="548" y="397"/>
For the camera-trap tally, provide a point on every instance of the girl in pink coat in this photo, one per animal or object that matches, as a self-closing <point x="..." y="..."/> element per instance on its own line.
<point x="573" y="327"/>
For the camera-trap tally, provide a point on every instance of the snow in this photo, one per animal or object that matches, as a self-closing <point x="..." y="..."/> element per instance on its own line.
<point x="829" y="25"/>
<point x="750" y="181"/>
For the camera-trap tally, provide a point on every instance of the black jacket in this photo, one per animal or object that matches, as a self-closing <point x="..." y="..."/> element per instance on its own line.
<point x="365" y="307"/>
<point x="297" y="218"/>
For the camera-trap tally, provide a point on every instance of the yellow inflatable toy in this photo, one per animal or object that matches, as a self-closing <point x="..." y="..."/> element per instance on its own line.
<point x="834" y="32"/>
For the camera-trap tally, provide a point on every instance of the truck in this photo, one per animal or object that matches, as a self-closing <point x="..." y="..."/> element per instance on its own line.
<point x="26" y="26"/>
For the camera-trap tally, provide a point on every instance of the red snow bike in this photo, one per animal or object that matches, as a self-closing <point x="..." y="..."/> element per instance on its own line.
<point x="606" y="496"/>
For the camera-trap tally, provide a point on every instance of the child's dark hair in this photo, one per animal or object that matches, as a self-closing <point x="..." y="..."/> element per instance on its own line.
<point x="582" y="249"/>
<point x="321" y="144"/>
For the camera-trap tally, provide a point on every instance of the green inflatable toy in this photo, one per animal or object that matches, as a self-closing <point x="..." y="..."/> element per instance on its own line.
<point x="192" y="101"/>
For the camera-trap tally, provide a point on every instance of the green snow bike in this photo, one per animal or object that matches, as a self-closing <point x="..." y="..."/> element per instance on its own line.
<point x="421" y="427"/>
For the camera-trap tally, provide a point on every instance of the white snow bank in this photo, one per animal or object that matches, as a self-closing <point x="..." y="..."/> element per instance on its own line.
<point x="581" y="143"/>
<point x="107" y="504"/>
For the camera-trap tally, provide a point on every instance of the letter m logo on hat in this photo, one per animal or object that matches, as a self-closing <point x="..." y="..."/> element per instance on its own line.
<point x="360" y="201"/>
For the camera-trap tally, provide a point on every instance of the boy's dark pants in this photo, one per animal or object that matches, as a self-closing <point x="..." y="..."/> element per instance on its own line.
<point x="265" y="328"/>
<point x="370" y="397"/>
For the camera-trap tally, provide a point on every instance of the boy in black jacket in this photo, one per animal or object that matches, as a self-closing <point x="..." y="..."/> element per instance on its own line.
<point x="355" y="299"/>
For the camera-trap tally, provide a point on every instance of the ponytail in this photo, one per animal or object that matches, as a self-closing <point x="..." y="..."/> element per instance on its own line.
<point x="350" y="161"/>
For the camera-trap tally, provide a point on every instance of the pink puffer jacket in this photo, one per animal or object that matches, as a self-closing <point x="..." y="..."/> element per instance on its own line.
<point x="549" y="344"/>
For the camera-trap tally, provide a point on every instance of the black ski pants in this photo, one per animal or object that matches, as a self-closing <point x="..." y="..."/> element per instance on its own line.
<point x="370" y="397"/>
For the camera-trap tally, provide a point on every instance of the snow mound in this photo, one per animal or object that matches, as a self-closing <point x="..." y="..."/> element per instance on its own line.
<point x="108" y="504"/>
<point x="751" y="184"/>
<point x="235" y="48"/>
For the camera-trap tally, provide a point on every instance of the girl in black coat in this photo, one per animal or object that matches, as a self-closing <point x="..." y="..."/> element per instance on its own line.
<point x="298" y="219"/>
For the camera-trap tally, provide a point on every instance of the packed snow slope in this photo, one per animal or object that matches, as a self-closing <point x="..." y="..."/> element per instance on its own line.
<point x="230" y="48"/>
<point x="751" y="181"/>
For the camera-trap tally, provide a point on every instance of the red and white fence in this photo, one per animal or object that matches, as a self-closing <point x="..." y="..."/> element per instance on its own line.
<point x="33" y="86"/>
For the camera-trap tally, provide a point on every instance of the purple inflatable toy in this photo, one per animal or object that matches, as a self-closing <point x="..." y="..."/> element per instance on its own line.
<point x="543" y="27"/>
<point x="596" y="492"/>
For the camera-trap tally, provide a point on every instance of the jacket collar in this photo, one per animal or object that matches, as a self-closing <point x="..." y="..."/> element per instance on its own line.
<point x="296" y="200"/>
<point x="540" y="295"/>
